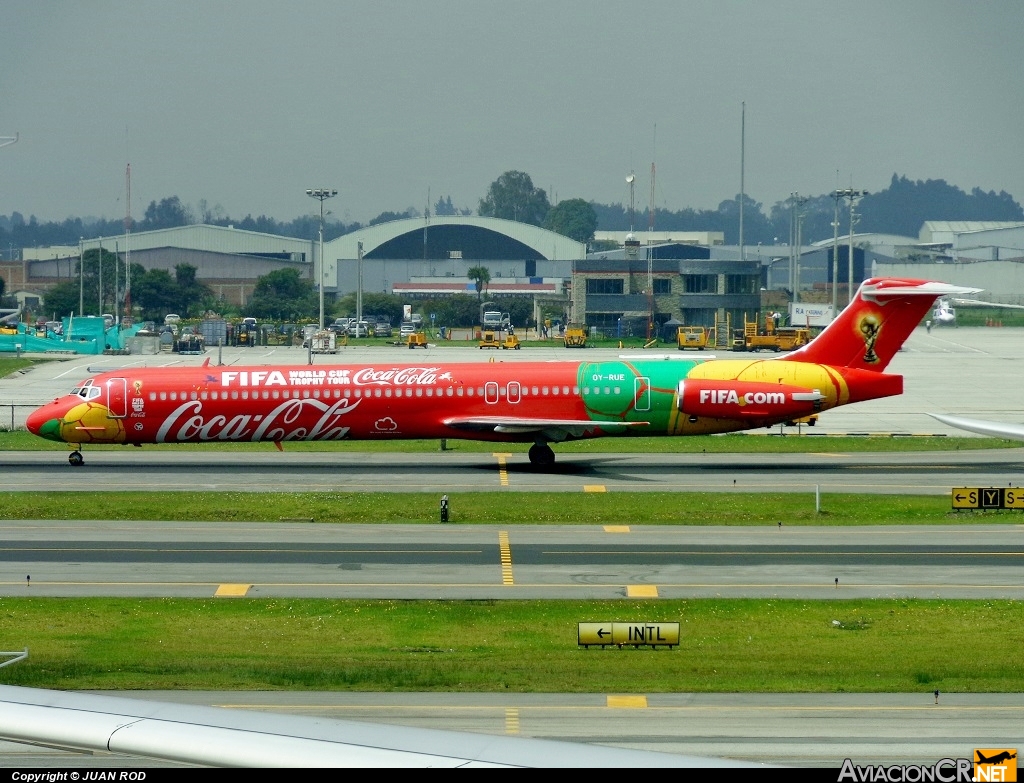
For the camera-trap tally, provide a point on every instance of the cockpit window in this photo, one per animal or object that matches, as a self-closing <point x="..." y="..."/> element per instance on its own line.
<point x="87" y="391"/>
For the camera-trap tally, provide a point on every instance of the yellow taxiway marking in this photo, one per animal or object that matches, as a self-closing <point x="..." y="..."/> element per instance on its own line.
<point x="616" y="528"/>
<point x="511" y="720"/>
<point x="232" y="591"/>
<point x="502" y="467"/>
<point x="628" y="702"/>
<point x="594" y="488"/>
<point x="506" y="559"/>
<point x="641" y="591"/>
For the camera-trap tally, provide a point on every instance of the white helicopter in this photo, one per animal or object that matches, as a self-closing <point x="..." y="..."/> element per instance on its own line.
<point x="944" y="313"/>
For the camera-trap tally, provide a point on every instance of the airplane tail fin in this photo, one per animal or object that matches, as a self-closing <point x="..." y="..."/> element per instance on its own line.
<point x="869" y="331"/>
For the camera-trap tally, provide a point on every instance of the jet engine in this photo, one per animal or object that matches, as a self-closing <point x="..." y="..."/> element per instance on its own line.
<point x="747" y="400"/>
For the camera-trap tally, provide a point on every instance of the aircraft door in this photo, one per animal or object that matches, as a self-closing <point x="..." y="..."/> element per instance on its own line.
<point x="491" y="392"/>
<point x="512" y="391"/>
<point x="642" y="393"/>
<point x="117" y="398"/>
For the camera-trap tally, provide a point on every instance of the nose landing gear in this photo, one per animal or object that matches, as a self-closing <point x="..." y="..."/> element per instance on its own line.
<point x="75" y="458"/>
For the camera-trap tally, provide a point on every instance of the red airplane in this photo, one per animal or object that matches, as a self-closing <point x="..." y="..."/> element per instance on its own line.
<point x="543" y="402"/>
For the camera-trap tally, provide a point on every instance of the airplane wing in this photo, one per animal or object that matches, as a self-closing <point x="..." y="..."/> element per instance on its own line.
<point x="553" y="428"/>
<point x="215" y="736"/>
<point x="993" y="429"/>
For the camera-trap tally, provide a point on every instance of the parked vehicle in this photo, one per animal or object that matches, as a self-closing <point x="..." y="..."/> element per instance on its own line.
<point x="382" y="328"/>
<point x="359" y="329"/>
<point x="307" y="334"/>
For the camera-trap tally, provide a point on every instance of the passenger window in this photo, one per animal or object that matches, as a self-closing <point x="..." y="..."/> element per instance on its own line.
<point x="152" y="396"/>
<point x="193" y="396"/>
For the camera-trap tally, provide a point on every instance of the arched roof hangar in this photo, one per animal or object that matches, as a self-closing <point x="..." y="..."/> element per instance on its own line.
<point x="468" y="236"/>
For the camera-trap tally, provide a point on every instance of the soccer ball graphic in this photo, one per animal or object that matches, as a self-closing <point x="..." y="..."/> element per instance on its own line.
<point x="90" y="422"/>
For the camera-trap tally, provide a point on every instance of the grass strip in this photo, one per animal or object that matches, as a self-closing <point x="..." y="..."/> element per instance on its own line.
<point x="523" y="646"/>
<point x="473" y="508"/>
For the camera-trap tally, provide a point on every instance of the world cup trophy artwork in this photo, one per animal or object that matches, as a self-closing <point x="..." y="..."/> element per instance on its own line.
<point x="869" y="326"/>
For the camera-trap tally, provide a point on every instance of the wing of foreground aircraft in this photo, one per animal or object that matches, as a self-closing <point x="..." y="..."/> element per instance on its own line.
<point x="530" y="402"/>
<point x="219" y="737"/>
<point x="993" y="429"/>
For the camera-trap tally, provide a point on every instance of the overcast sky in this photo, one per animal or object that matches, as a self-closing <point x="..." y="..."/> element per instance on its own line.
<point x="248" y="104"/>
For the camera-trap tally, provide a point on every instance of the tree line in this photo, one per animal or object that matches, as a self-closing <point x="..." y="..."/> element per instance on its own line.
<point x="899" y="209"/>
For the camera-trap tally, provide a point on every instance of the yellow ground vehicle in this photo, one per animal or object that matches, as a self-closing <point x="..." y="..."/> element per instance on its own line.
<point x="772" y="337"/>
<point x="575" y="336"/>
<point x="511" y="342"/>
<point x="489" y="339"/>
<point x="417" y="340"/>
<point x="692" y="337"/>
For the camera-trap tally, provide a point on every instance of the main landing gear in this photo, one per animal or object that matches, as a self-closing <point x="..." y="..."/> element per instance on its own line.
<point x="541" y="455"/>
<point x="75" y="458"/>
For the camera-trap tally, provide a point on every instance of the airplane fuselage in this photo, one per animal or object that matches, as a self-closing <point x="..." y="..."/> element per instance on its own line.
<point x="514" y="401"/>
<point x="543" y="402"/>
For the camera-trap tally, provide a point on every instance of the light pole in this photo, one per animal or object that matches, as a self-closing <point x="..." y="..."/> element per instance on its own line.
<point x="796" y="218"/>
<point x="99" y="264"/>
<point x="835" y="256"/>
<point x="855" y="195"/>
<point x="81" y="275"/>
<point x="359" y="287"/>
<point x="321" y="194"/>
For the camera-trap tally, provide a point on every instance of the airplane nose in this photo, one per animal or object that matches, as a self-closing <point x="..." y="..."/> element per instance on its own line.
<point x="45" y="422"/>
